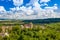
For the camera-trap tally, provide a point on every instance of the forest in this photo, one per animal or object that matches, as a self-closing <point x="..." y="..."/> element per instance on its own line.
<point x="49" y="31"/>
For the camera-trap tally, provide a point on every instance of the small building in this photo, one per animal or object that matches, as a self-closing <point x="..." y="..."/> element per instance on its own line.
<point x="29" y="25"/>
<point x="4" y="31"/>
<point x="4" y="28"/>
<point x="4" y="34"/>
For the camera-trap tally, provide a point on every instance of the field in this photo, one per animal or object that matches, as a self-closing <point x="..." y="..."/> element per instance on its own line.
<point x="18" y="30"/>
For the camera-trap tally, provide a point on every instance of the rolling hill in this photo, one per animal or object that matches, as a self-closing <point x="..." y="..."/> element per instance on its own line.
<point x="49" y="20"/>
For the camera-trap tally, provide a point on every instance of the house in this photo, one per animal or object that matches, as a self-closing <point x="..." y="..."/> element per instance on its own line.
<point x="4" y="31"/>
<point x="29" y="25"/>
<point x="5" y="28"/>
<point x="4" y="34"/>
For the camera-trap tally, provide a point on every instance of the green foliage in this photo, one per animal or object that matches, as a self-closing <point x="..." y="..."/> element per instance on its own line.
<point x="50" y="32"/>
<point x="1" y="38"/>
<point x="5" y="38"/>
<point x="0" y="30"/>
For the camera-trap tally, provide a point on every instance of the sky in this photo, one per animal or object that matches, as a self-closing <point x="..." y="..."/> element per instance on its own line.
<point x="29" y="9"/>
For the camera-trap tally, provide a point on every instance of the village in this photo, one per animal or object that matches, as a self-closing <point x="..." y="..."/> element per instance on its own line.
<point x="4" y="29"/>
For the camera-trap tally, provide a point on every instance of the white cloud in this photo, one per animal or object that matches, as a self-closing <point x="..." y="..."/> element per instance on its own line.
<point x="28" y="12"/>
<point x="2" y="9"/>
<point x="44" y="1"/>
<point x="15" y="8"/>
<point x="17" y="2"/>
<point x="45" y="4"/>
<point x="53" y="7"/>
<point x="32" y="2"/>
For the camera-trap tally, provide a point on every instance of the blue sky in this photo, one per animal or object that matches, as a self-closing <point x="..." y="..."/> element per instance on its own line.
<point x="9" y="4"/>
<point x="31" y="6"/>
